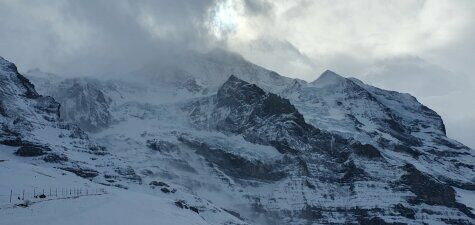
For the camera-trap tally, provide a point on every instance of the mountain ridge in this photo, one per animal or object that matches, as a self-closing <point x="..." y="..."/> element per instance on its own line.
<point x="283" y="150"/>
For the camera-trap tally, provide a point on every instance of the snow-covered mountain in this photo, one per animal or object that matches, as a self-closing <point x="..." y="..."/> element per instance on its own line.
<point x="447" y="92"/>
<point x="38" y="151"/>
<point x="240" y="144"/>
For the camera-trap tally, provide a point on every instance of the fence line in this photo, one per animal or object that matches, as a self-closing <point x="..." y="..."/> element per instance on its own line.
<point x="30" y="195"/>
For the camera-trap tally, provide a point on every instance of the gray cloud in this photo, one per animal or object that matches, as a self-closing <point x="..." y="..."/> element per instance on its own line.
<point x="81" y="37"/>
<point x="254" y="7"/>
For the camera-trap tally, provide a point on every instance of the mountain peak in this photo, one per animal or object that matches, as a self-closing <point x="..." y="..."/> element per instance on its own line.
<point x="19" y="84"/>
<point x="329" y="73"/>
<point x="235" y="88"/>
<point x="7" y="65"/>
<point x="234" y="78"/>
<point x="236" y="82"/>
<point x="328" y="78"/>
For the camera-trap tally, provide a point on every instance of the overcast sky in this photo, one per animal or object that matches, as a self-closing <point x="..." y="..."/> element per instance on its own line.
<point x="424" y="47"/>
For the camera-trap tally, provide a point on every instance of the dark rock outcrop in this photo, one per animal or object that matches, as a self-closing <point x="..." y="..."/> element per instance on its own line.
<point x="405" y="211"/>
<point x="158" y="184"/>
<point x="128" y="173"/>
<point x="366" y="150"/>
<point x="82" y="172"/>
<point x="234" y="165"/>
<point x="408" y="150"/>
<point x="430" y="191"/>
<point x="184" y="205"/>
<point x="32" y="151"/>
<point x="427" y="189"/>
<point x="161" y="146"/>
<point x="55" y="158"/>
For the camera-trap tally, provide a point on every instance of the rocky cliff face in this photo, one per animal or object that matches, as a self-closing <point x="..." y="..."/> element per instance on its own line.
<point x="22" y="109"/>
<point x="318" y="161"/>
<point x="265" y="118"/>
<point x="349" y="105"/>
<point x="396" y="123"/>
<point x="31" y="122"/>
<point x="84" y="102"/>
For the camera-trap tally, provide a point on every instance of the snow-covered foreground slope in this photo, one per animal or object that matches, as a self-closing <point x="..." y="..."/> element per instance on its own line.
<point x="100" y="205"/>
<point x="262" y="148"/>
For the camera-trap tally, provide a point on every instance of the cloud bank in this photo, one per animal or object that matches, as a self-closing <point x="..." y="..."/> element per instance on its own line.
<point x="81" y="37"/>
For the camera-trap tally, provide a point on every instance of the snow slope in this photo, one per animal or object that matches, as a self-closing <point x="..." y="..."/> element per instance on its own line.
<point x="111" y="206"/>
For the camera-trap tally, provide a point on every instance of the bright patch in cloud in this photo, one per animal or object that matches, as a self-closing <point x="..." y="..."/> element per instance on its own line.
<point x="224" y="17"/>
